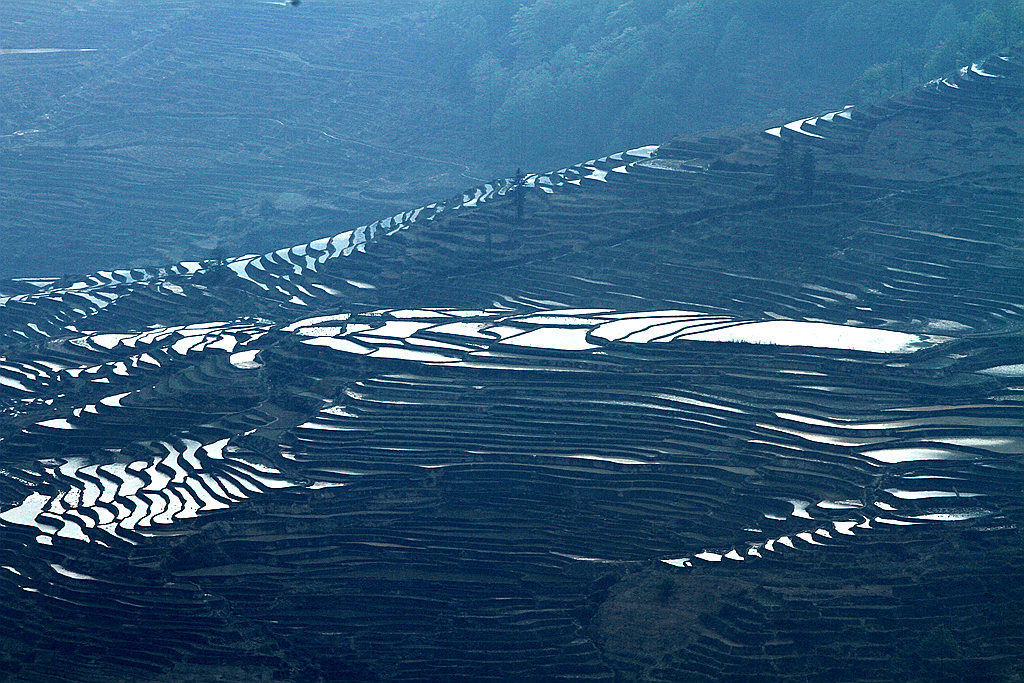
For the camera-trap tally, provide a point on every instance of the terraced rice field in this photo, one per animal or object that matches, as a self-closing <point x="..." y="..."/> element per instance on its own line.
<point x="179" y="130"/>
<point x="676" y="412"/>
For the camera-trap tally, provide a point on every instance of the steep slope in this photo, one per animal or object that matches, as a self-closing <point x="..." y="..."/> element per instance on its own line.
<point x="740" y="406"/>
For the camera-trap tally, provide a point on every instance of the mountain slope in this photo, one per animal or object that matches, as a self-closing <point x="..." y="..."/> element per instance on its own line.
<point x="740" y="406"/>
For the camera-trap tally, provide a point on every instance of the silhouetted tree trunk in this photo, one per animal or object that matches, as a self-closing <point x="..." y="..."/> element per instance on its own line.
<point x="519" y="194"/>
<point x="785" y="166"/>
<point x="808" y="173"/>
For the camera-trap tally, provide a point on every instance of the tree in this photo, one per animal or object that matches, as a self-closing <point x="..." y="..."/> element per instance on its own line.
<point x="986" y="34"/>
<point x="666" y="588"/>
<point x="785" y="166"/>
<point x="808" y="173"/>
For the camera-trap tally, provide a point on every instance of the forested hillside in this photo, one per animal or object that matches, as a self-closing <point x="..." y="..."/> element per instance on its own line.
<point x="556" y="79"/>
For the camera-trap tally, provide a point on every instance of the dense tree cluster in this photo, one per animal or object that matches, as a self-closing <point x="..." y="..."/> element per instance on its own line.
<point x="552" y="80"/>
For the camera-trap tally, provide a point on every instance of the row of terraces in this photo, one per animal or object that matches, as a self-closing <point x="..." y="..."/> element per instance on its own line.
<point x="662" y="414"/>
